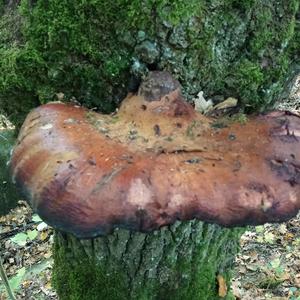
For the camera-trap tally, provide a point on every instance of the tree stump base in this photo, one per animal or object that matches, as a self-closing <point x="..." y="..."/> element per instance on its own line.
<point x="188" y="260"/>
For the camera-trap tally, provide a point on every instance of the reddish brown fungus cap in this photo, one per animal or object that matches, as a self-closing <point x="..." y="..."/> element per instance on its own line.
<point x="154" y="162"/>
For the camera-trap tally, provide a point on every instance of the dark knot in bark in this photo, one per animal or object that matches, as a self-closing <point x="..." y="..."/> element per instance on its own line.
<point x="157" y="85"/>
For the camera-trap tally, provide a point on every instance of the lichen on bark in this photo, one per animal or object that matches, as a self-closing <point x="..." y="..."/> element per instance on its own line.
<point x="181" y="261"/>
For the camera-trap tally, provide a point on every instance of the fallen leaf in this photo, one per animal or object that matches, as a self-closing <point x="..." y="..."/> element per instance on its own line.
<point x="289" y="236"/>
<point x="202" y="105"/>
<point x="42" y="226"/>
<point x="222" y="286"/>
<point x="35" y="218"/>
<point x="11" y="260"/>
<point x="43" y="235"/>
<point x="32" y="234"/>
<point x="282" y="228"/>
<point x="48" y="285"/>
<point x="252" y="267"/>
<point x="228" y="103"/>
<point x="15" y="281"/>
<point x="20" y="239"/>
<point x="26" y="284"/>
<point x="259" y="229"/>
<point x="48" y="254"/>
<point x="260" y="239"/>
<point x="275" y="263"/>
<point x="269" y="237"/>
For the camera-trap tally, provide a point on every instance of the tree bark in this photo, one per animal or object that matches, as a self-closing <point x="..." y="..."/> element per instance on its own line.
<point x="94" y="51"/>
<point x="187" y="260"/>
<point x="8" y="194"/>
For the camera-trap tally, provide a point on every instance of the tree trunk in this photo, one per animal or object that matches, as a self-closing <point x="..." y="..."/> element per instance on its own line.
<point x="185" y="261"/>
<point x="8" y="193"/>
<point x="95" y="50"/>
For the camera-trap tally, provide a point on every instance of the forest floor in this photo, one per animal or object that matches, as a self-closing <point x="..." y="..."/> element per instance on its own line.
<point x="268" y="266"/>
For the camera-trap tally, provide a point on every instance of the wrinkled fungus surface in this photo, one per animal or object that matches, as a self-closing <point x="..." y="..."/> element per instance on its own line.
<point x="155" y="161"/>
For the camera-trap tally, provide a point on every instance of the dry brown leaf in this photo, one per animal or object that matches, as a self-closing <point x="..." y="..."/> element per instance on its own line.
<point x="228" y="103"/>
<point x="48" y="254"/>
<point x="26" y="284"/>
<point x="43" y="235"/>
<point x="289" y="236"/>
<point x="222" y="286"/>
<point x="48" y="285"/>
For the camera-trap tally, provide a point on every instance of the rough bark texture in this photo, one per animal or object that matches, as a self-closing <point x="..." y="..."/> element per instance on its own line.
<point x="95" y="50"/>
<point x="182" y="262"/>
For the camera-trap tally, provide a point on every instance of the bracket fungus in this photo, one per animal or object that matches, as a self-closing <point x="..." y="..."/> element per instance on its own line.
<point x="156" y="161"/>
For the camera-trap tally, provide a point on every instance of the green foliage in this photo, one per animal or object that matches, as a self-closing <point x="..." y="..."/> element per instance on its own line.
<point x="87" y="49"/>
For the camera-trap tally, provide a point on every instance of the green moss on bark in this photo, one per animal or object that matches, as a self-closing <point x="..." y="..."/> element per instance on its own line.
<point x="177" y="262"/>
<point x="92" y="50"/>
<point x="8" y="194"/>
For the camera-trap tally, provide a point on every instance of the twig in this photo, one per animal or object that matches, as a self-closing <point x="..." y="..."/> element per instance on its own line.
<point x="3" y="137"/>
<point x="5" y="281"/>
<point x="14" y="231"/>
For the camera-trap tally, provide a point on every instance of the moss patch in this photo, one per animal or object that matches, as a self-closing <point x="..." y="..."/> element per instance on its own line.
<point x="93" y="50"/>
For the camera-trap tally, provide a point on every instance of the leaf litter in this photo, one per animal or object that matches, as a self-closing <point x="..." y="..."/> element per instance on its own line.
<point x="268" y="266"/>
<point x="26" y="253"/>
